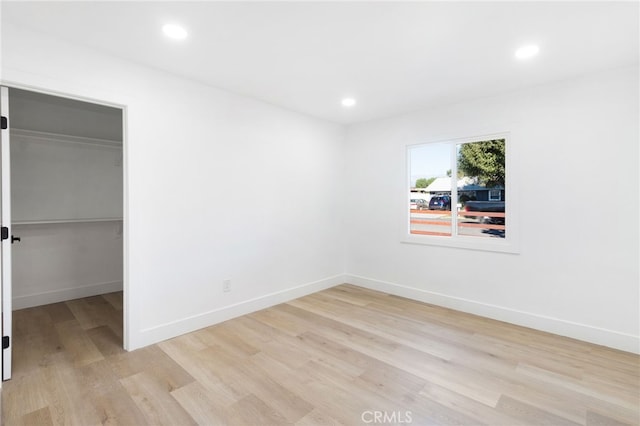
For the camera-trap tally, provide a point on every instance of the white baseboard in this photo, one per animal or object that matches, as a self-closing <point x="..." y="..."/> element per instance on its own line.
<point x="55" y="296"/>
<point x="588" y="333"/>
<point x="166" y="331"/>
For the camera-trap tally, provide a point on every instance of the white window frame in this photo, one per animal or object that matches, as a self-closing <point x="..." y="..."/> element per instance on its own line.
<point x="499" y="198"/>
<point x="511" y="242"/>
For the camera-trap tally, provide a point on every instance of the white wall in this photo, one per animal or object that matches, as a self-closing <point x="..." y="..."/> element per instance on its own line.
<point x="60" y="177"/>
<point x="577" y="272"/>
<point x="191" y="152"/>
<point x="64" y="261"/>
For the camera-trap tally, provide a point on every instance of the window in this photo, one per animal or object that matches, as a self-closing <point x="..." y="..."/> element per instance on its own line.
<point x="467" y="192"/>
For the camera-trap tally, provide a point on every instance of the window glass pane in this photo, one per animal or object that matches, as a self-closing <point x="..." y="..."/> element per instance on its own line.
<point x="494" y="195"/>
<point x="481" y="189"/>
<point x="430" y="196"/>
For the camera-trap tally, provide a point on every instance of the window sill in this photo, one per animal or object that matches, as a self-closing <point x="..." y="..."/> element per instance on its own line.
<point x="467" y="243"/>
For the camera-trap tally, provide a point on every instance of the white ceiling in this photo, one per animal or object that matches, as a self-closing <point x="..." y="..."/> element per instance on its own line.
<point x="393" y="57"/>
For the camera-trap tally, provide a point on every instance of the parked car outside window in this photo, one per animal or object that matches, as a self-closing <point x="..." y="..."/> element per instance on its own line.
<point x="419" y="204"/>
<point x="440" y="202"/>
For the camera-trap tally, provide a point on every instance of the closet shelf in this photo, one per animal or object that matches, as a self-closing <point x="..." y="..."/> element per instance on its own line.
<point x="48" y="137"/>
<point x="53" y="221"/>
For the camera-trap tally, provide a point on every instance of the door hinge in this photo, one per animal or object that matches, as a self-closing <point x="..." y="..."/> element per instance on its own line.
<point x="5" y="123"/>
<point x="5" y="342"/>
<point x="4" y="233"/>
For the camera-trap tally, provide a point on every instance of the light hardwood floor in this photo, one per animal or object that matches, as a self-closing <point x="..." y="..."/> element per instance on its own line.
<point x="341" y="356"/>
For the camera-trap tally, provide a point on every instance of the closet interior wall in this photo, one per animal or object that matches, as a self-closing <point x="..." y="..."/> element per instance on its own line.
<point x="66" y="195"/>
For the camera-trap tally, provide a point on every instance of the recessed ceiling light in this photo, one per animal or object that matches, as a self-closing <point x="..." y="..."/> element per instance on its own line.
<point x="348" y="102"/>
<point x="526" y="52"/>
<point x="174" y="31"/>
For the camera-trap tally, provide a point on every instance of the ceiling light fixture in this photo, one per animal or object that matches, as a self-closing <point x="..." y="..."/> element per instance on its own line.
<point x="175" y="32"/>
<point x="348" y="102"/>
<point x="526" y="52"/>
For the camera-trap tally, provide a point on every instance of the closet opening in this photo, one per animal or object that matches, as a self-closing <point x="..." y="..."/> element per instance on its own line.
<point x="66" y="208"/>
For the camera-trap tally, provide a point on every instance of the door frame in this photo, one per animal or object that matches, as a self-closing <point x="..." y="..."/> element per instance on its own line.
<point x="5" y="263"/>
<point x="126" y="311"/>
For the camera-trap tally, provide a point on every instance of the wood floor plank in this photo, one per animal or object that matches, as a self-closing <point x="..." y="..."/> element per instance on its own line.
<point x="115" y="299"/>
<point x="107" y="342"/>
<point x="35" y="351"/>
<point x="153" y="361"/>
<point x="67" y="398"/>
<point x="202" y="405"/>
<point x="317" y="418"/>
<point x="107" y="396"/>
<point x="392" y="381"/>
<point x="343" y="294"/>
<point x="563" y="398"/>
<point x="116" y="407"/>
<point x="251" y="410"/>
<point x="155" y="401"/>
<point x="595" y="419"/>
<point x="252" y="330"/>
<point x="91" y="312"/>
<point x="58" y="312"/>
<point x="31" y="321"/>
<point x="530" y="414"/>
<point x="41" y="417"/>
<point x="606" y="394"/>
<point x="324" y="359"/>
<point x="344" y="406"/>
<point x="289" y="404"/>
<point x="200" y="365"/>
<point x="27" y="395"/>
<point x="482" y="413"/>
<point x="327" y="390"/>
<point x="280" y="321"/>
<point x="349" y="360"/>
<point x="222" y="335"/>
<point x="77" y="343"/>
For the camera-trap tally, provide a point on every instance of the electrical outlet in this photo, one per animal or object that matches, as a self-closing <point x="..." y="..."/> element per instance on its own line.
<point x="226" y="286"/>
